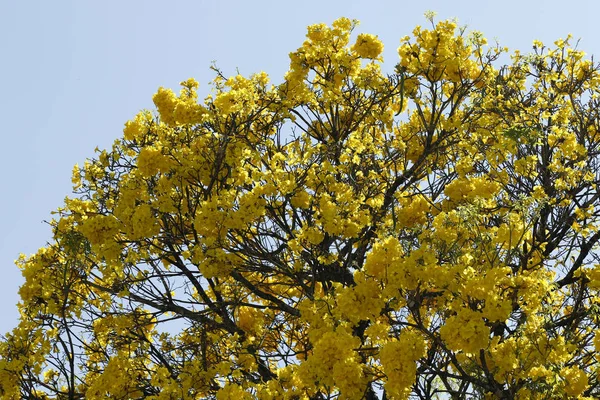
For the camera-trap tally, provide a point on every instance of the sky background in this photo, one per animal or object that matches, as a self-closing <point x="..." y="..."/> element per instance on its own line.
<point x="73" y="72"/>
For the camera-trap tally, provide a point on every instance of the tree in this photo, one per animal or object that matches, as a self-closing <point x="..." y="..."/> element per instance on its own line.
<point x="430" y="233"/>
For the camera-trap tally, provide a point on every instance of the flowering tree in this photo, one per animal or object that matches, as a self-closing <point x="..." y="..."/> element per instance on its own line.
<point x="344" y="234"/>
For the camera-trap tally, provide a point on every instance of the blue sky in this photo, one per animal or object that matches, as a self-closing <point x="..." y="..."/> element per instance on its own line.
<point x="73" y="72"/>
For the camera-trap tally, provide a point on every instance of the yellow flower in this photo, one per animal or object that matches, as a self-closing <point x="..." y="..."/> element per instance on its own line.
<point x="367" y="46"/>
<point x="576" y="381"/>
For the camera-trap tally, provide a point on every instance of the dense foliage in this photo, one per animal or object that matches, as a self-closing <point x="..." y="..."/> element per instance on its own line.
<point x="348" y="234"/>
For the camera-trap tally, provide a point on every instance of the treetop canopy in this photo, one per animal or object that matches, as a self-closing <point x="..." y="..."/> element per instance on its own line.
<point x="347" y="233"/>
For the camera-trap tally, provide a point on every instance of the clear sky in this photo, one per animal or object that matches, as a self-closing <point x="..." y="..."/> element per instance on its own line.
<point x="73" y="72"/>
